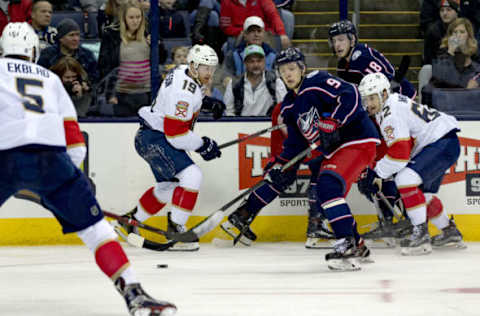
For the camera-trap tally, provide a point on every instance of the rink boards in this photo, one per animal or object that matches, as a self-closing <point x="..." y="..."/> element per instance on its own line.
<point x="121" y="177"/>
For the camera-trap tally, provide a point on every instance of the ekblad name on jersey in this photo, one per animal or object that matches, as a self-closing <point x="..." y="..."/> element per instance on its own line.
<point x="176" y="109"/>
<point x="36" y="110"/>
<point x="322" y="95"/>
<point x="407" y="127"/>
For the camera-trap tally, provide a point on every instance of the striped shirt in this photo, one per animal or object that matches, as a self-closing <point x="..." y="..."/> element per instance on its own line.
<point x="134" y="69"/>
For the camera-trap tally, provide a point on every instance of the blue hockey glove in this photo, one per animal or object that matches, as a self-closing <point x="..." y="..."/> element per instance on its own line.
<point x="217" y="107"/>
<point x="209" y="150"/>
<point x="279" y="180"/>
<point x="369" y="183"/>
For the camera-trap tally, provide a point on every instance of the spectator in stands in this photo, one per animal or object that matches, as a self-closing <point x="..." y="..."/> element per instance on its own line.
<point x="205" y="21"/>
<point x="68" y="44"/>
<point x="75" y="81"/>
<point x="41" y="19"/>
<point x="257" y="92"/>
<point x="469" y="9"/>
<point x="437" y="30"/>
<point x="284" y="8"/>
<point x="454" y="67"/>
<point x="233" y="14"/>
<point x="171" y="22"/>
<point x="15" y="11"/>
<point x="178" y="57"/>
<point x="108" y="15"/>
<point x="126" y="47"/>
<point x="253" y="34"/>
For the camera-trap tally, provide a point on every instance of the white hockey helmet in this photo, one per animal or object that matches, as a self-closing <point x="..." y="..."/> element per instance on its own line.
<point x="20" y="39"/>
<point x="374" y="83"/>
<point x="202" y="55"/>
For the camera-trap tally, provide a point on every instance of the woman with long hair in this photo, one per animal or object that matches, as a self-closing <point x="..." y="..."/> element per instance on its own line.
<point x="125" y="57"/>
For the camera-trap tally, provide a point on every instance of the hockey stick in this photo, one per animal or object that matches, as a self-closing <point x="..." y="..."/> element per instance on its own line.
<point x="250" y="136"/>
<point x="216" y="217"/>
<point x="140" y="241"/>
<point x="402" y="69"/>
<point x="395" y="212"/>
<point x="132" y="222"/>
<point x="132" y="239"/>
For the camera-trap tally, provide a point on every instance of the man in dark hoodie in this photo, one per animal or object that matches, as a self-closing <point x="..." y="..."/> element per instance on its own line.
<point x="449" y="10"/>
<point x="68" y="44"/>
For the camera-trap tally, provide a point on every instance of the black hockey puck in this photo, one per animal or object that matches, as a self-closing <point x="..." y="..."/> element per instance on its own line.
<point x="163" y="265"/>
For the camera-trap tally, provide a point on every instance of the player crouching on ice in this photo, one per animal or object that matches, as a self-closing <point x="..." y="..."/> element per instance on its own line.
<point x="41" y="148"/>
<point x="165" y="137"/>
<point x="418" y="166"/>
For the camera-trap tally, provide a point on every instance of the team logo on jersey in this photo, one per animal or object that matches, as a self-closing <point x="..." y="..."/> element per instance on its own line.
<point x="356" y="54"/>
<point x="389" y="132"/>
<point x="181" y="109"/>
<point x="308" y="123"/>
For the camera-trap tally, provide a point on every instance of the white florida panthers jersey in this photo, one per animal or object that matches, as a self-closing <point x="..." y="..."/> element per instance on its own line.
<point x="176" y="109"/>
<point x="36" y="109"/>
<point x="407" y="127"/>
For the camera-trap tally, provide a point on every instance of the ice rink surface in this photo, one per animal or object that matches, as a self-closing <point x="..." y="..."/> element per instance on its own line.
<point x="267" y="279"/>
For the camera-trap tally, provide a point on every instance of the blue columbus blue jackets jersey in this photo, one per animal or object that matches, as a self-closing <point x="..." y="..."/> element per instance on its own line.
<point x="323" y="95"/>
<point x="366" y="60"/>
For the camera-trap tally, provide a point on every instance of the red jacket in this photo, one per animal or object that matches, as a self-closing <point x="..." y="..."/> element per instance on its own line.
<point x="233" y="14"/>
<point x="17" y="12"/>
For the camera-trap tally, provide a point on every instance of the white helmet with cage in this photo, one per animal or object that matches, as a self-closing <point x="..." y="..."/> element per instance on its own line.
<point x="374" y="83"/>
<point x="202" y="55"/>
<point x="20" y="39"/>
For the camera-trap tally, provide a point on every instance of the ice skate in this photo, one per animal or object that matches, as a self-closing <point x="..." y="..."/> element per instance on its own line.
<point x="402" y="229"/>
<point x="418" y="243"/>
<point x="381" y="231"/>
<point x="363" y="253"/>
<point x="317" y="233"/>
<point x="449" y="237"/>
<point x="180" y="246"/>
<point x="237" y="222"/>
<point x="139" y="303"/>
<point x="344" y="256"/>
<point x="129" y="228"/>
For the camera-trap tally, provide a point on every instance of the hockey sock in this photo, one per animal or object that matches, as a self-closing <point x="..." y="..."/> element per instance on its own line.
<point x="109" y="255"/>
<point x="183" y="202"/>
<point x="339" y="217"/>
<point x="414" y="201"/>
<point x="261" y="197"/>
<point x="111" y="259"/>
<point x="148" y="205"/>
<point x="436" y="214"/>
<point x="355" y="232"/>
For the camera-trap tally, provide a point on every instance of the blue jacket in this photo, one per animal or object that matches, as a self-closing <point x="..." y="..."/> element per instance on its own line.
<point x="323" y="95"/>
<point x="51" y="55"/>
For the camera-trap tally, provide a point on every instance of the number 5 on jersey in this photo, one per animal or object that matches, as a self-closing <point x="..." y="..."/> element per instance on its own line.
<point x="33" y="102"/>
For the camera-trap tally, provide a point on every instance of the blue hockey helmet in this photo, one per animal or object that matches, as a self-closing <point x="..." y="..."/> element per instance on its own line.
<point x="291" y="54"/>
<point x="343" y="27"/>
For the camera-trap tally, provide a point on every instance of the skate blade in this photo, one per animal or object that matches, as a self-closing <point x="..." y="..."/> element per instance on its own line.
<point x="169" y="311"/>
<point x="233" y="232"/>
<point x="452" y="245"/>
<point x="385" y="243"/>
<point x="317" y="243"/>
<point x="187" y="246"/>
<point x="417" y="251"/>
<point x="349" y="264"/>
